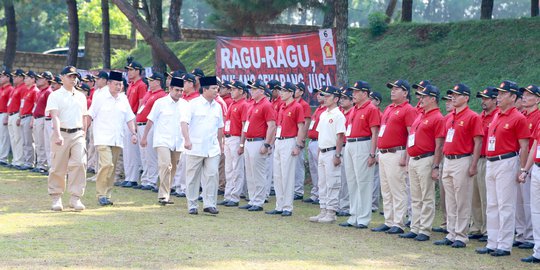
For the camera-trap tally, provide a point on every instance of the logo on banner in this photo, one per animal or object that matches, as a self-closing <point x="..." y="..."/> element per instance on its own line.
<point x="327" y="46"/>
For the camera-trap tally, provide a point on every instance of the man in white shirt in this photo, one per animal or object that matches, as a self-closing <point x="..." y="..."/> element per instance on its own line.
<point x="100" y="88"/>
<point x="109" y="112"/>
<point x="202" y="128"/>
<point x="165" y="117"/>
<point x="67" y="108"/>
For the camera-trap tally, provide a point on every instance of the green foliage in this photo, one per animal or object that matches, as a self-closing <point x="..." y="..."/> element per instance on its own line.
<point x="377" y="23"/>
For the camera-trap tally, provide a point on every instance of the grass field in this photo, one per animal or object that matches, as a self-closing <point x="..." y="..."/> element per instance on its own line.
<point x="138" y="233"/>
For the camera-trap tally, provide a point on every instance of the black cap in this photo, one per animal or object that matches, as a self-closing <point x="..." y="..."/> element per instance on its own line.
<point x="155" y="76"/>
<point x="361" y="86"/>
<point x="46" y="75"/>
<point x="421" y="84"/>
<point x="376" y="95"/>
<point x="509" y="86"/>
<point x="403" y="84"/>
<point x="489" y="92"/>
<point x="177" y="82"/>
<point x="57" y="79"/>
<point x="89" y="78"/>
<point x="6" y="72"/>
<point x="103" y="75"/>
<point x="208" y="81"/>
<point x="115" y="76"/>
<point x="198" y="72"/>
<point x="226" y="84"/>
<point x="533" y="89"/>
<point x="301" y="86"/>
<point x="257" y="84"/>
<point x="460" y="89"/>
<point x="429" y="90"/>
<point x="268" y="92"/>
<point x="31" y="74"/>
<point x="447" y="97"/>
<point x="346" y="92"/>
<point x="85" y="87"/>
<point x="274" y="85"/>
<point x="134" y="65"/>
<point x="238" y="84"/>
<point x="289" y="86"/>
<point x="19" y="72"/>
<point x="331" y="90"/>
<point x="178" y="73"/>
<point x="189" y="77"/>
<point x="69" y="70"/>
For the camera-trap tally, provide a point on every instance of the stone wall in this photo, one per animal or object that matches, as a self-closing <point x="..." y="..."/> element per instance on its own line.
<point x="93" y="48"/>
<point x="38" y="62"/>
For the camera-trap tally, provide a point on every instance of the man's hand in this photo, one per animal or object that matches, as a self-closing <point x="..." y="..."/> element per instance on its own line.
<point x="295" y="151"/>
<point x="240" y="151"/>
<point x="59" y="140"/>
<point x="336" y="161"/>
<point x="134" y="139"/>
<point x="522" y="177"/>
<point x="371" y="161"/>
<point x="435" y="174"/>
<point x="144" y="141"/>
<point x="18" y="123"/>
<point x="473" y="170"/>
<point x="187" y="145"/>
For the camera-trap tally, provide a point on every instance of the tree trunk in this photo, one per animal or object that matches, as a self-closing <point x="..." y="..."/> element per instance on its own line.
<point x="133" y="29"/>
<point x="486" y="10"/>
<point x="105" y="28"/>
<point x="174" y="20"/>
<point x="11" y="41"/>
<point x="157" y="44"/>
<point x="534" y="8"/>
<point x="341" y="8"/>
<point x="406" y="10"/>
<point x="156" y="22"/>
<point x="390" y="10"/>
<point x="329" y="15"/>
<point x="73" y="21"/>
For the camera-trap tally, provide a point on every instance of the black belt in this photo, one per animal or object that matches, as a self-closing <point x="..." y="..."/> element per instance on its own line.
<point x="24" y="116"/>
<point x="423" y="155"/>
<point x="70" y="130"/>
<point x="537" y="164"/>
<point x="141" y="124"/>
<point x="48" y="119"/>
<point x="360" y="139"/>
<point x="12" y="113"/>
<point x="283" y="138"/>
<point x="501" y="157"/>
<point x="227" y="135"/>
<point x="254" y="139"/>
<point x="38" y="117"/>
<point x="314" y="140"/>
<point x="324" y="150"/>
<point x="456" y="156"/>
<point x="392" y="150"/>
<point x="482" y="156"/>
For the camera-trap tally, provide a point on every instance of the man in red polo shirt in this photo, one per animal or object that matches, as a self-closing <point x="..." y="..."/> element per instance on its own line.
<point x="424" y="146"/>
<point x="14" y="105"/>
<point x="44" y="84"/>
<point x="396" y="122"/>
<point x="5" y="92"/>
<point x="524" y="231"/>
<point x="148" y="154"/>
<point x="289" y="137"/>
<point x="461" y="150"/>
<point x="359" y="155"/>
<point x="313" y="147"/>
<point x="300" y="173"/>
<point x="477" y="229"/>
<point x="28" y="102"/>
<point x="508" y="140"/>
<point x="225" y="93"/>
<point x="347" y="108"/>
<point x="275" y="86"/>
<point x="376" y="99"/>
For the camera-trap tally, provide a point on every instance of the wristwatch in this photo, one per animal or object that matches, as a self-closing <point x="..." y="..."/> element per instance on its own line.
<point x="338" y="155"/>
<point x="267" y="145"/>
<point x="372" y="155"/>
<point x="242" y="145"/>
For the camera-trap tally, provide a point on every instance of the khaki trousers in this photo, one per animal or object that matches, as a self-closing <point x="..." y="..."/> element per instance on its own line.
<point x="284" y="173"/>
<point x="313" y="160"/>
<point x="234" y="169"/>
<point x="524" y="230"/>
<point x="269" y="184"/>
<point x="28" y="142"/>
<point x="167" y="161"/>
<point x="5" y="146"/>
<point x="329" y="181"/>
<point x="68" y="161"/>
<point x="458" y="191"/>
<point x="393" y="188"/>
<point x="535" y="208"/>
<point x="47" y="133"/>
<point x="131" y="156"/>
<point x="359" y="181"/>
<point x="108" y="158"/>
<point x="38" y="131"/>
<point x="92" y="151"/>
<point x="501" y="190"/>
<point x="148" y="159"/>
<point x="422" y="195"/>
<point x="179" y="182"/>
<point x="300" y="173"/>
<point x="16" y="140"/>
<point x="256" y="169"/>
<point x="442" y="196"/>
<point x="202" y="171"/>
<point x="376" y="194"/>
<point x="222" y="178"/>
<point x="344" y="204"/>
<point x="478" y="225"/>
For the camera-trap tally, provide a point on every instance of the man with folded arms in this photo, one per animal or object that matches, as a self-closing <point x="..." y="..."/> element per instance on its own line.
<point x="461" y="153"/>
<point x="424" y="146"/>
<point x="508" y="140"/>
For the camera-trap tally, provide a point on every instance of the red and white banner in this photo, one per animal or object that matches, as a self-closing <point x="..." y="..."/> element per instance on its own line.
<point x="304" y="57"/>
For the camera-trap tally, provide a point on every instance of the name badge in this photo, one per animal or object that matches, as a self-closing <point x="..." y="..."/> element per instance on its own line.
<point x="311" y="125"/>
<point x="410" y="140"/>
<point x="140" y="109"/>
<point x="228" y="125"/>
<point x="491" y="143"/>
<point x="381" y="131"/>
<point x="9" y="101"/>
<point x="278" y="131"/>
<point x="450" y="135"/>
<point x="538" y="151"/>
<point x="348" y="132"/>
<point x="22" y="103"/>
<point x="246" y="126"/>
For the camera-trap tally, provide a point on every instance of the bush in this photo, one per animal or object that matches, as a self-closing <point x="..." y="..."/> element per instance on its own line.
<point x="377" y="23"/>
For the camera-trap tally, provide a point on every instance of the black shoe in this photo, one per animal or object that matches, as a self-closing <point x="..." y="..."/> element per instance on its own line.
<point x="439" y="230"/>
<point x="124" y="183"/>
<point x="128" y="184"/>
<point x="381" y="213"/>
<point x="89" y="170"/>
<point x="245" y="207"/>
<point x="146" y="187"/>
<point x="458" y="244"/>
<point x="274" y="212"/>
<point x="361" y="226"/>
<point x="24" y="168"/>
<point x="484" y="250"/>
<point x="164" y="202"/>
<point x="224" y="202"/>
<point x="200" y="198"/>
<point x="211" y="210"/>
<point x="346" y="224"/>
<point x="231" y="204"/>
<point x="408" y="224"/>
<point x="444" y="242"/>
<point x="343" y="214"/>
<point x="395" y="230"/>
<point x="409" y="235"/>
<point x="483" y="239"/>
<point x="526" y="245"/>
<point x="382" y="228"/>
<point x="475" y="236"/>
<point x="517" y="243"/>
<point x="266" y="201"/>
<point x="298" y="197"/>
<point x="118" y="184"/>
<point x="193" y="211"/>
<point x="34" y="170"/>
<point x="531" y="259"/>
<point x="308" y="200"/>
<point x="421" y="237"/>
<point x="103" y="201"/>
<point x="181" y="194"/>
<point x="46" y="173"/>
<point x="221" y="192"/>
<point x="242" y="196"/>
<point x="500" y="253"/>
<point x="272" y="193"/>
<point x="155" y="190"/>
<point x="3" y="163"/>
<point x="316" y="202"/>
<point x="255" y="208"/>
<point x="286" y="214"/>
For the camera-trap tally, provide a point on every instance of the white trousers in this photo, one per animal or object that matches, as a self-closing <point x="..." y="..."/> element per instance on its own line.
<point x="313" y="160"/>
<point x="300" y="174"/>
<point x="359" y="181"/>
<point x="284" y="170"/>
<point x="5" y="146"/>
<point x="131" y="156"/>
<point x="38" y="131"/>
<point x="234" y="169"/>
<point x="329" y="181"/>
<point x="16" y="140"/>
<point x="202" y="171"/>
<point x="148" y="159"/>
<point x="47" y="132"/>
<point x="256" y="172"/>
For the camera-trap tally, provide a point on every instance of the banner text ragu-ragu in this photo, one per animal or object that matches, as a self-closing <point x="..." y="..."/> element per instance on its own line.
<point x="277" y="57"/>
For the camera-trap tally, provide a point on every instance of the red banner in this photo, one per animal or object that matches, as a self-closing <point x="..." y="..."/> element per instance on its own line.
<point x="305" y="57"/>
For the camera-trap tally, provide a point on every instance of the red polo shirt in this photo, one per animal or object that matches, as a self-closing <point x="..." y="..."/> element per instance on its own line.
<point x="508" y="128"/>
<point x="228" y="100"/>
<point x="258" y="116"/>
<point x="135" y="92"/>
<point x="14" y="103"/>
<point x="276" y="104"/>
<point x="466" y="124"/>
<point x="395" y="120"/>
<point x="305" y="107"/>
<point x="532" y="119"/>
<point x="4" y="97"/>
<point x="426" y="128"/>
<point x="223" y="105"/>
<point x="312" y="132"/>
<point x="148" y="103"/>
<point x="191" y="96"/>
<point x="362" y="119"/>
<point x="41" y="102"/>
<point x="536" y="135"/>
<point x="236" y="114"/>
<point x="289" y="117"/>
<point x="28" y="102"/>
<point x="486" y="121"/>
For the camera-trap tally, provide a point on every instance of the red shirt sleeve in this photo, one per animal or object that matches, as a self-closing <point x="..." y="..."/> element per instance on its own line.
<point x="374" y="117"/>
<point x="410" y="116"/>
<point x="476" y="123"/>
<point x="300" y="115"/>
<point x="522" y="129"/>
<point x="440" y="130"/>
